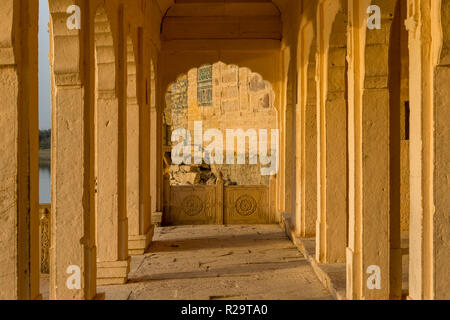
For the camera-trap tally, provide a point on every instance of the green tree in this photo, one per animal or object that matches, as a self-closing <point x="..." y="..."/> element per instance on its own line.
<point x="45" y="138"/>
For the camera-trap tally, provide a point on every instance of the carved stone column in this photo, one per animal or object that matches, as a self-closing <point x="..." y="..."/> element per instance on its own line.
<point x="368" y="251"/>
<point x="113" y="263"/>
<point x="306" y="199"/>
<point x="140" y="232"/>
<point x="331" y="232"/>
<point x="429" y="249"/>
<point x="73" y="251"/>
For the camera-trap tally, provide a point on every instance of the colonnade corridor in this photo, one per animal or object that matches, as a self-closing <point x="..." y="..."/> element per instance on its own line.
<point x="225" y="149"/>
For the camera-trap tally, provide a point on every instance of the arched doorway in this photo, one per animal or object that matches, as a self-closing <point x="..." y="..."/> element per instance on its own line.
<point x="220" y="124"/>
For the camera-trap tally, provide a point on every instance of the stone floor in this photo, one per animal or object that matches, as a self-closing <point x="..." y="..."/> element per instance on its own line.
<point x="220" y="262"/>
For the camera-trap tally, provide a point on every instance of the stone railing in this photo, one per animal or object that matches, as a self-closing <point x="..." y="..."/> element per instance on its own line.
<point x="219" y="204"/>
<point x="44" y="237"/>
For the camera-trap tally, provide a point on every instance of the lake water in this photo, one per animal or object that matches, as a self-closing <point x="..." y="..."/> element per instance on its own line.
<point x="44" y="184"/>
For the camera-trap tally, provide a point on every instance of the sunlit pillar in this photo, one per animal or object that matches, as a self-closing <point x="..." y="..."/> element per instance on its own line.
<point x="138" y="202"/>
<point x="368" y="270"/>
<point x="306" y="174"/>
<point x="19" y="242"/>
<point x="113" y="262"/>
<point x="73" y="251"/>
<point x="331" y="233"/>
<point x="429" y="249"/>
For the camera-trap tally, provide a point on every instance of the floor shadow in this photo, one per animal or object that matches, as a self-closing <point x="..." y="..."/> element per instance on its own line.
<point x="214" y="242"/>
<point x="241" y="270"/>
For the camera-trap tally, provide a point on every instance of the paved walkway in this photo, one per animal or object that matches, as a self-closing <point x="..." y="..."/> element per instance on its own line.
<point x="220" y="262"/>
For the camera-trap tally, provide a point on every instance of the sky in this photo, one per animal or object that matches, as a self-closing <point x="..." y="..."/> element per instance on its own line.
<point x="44" y="68"/>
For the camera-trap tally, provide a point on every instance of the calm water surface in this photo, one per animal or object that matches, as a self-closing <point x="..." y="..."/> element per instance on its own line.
<point x="44" y="184"/>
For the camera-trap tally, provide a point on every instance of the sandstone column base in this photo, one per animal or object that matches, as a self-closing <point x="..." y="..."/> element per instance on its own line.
<point x="137" y="244"/>
<point x="113" y="272"/>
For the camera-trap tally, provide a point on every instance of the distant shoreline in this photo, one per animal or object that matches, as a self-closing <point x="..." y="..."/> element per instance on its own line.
<point x="44" y="157"/>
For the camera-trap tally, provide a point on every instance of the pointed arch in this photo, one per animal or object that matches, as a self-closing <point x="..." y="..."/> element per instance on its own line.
<point x="223" y="97"/>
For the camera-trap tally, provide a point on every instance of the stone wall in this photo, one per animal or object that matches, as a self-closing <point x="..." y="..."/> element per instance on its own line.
<point x="221" y="97"/>
<point x="207" y="174"/>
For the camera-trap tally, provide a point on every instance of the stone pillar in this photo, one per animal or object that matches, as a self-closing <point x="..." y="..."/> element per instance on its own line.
<point x="133" y="208"/>
<point x="309" y="156"/>
<point x="19" y="207"/>
<point x="368" y="269"/>
<point x="282" y="200"/>
<point x="428" y="26"/>
<point x="289" y="149"/>
<point x="147" y="227"/>
<point x="159" y="154"/>
<point x="395" y="122"/>
<point x="73" y="251"/>
<point x="156" y="183"/>
<point x="153" y="160"/>
<point x="112" y="225"/>
<point x="306" y="200"/>
<point x="331" y="227"/>
<point x="440" y="234"/>
<point x="140" y="230"/>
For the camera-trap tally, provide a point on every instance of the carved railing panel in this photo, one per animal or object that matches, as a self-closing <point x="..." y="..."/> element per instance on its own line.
<point x="44" y="237"/>
<point x="191" y="205"/>
<point x="219" y="204"/>
<point x="246" y="205"/>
